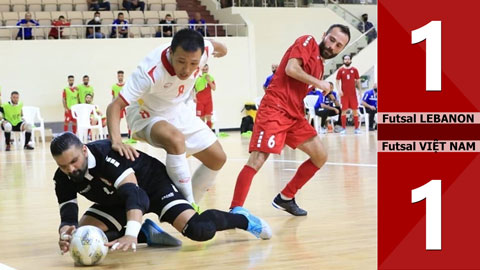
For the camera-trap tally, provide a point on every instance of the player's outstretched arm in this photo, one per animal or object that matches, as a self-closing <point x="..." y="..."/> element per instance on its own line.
<point x="65" y="233"/>
<point x="113" y="124"/>
<point x="220" y="50"/>
<point x="137" y="203"/>
<point x="294" y="69"/>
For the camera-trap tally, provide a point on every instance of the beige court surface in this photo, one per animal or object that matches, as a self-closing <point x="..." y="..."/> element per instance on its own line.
<point x="340" y="231"/>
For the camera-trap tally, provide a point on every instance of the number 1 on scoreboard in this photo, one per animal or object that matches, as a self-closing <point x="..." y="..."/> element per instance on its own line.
<point x="432" y="33"/>
<point x="432" y="192"/>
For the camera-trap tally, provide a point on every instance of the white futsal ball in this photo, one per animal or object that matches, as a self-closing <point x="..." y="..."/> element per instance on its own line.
<point x="88" y="245"/>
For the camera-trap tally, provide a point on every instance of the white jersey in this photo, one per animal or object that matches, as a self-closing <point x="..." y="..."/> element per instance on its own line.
<point x="154" y="85"/>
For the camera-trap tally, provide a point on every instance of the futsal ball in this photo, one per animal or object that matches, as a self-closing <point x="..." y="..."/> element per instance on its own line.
<point x="87" y="246"/>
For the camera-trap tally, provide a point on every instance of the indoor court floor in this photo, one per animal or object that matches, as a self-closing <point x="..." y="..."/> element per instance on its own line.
<point x="340" y="231"/>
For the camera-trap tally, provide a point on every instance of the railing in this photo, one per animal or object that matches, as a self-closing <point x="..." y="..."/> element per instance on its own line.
<point x="352" y="47"/>
<point x="134" y="30"/>
<point x="289" y="3"/>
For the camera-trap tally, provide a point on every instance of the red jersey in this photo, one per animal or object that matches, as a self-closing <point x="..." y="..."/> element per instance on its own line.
<point x="287" y="93"/>
<point x="348" y="76"/>
<point x="54" y="30"/>
<point x="205" y="95"/>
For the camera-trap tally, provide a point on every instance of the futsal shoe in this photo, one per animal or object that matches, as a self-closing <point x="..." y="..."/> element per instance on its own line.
<point x="256" y="225"/>
<point x="7" y="147"/>
<point x="323" y="130"/>
<point x="158" y="237"/>
<point x="28" y="147"/>
<point x="358" y="131"/>
<point x="289" y="206"/>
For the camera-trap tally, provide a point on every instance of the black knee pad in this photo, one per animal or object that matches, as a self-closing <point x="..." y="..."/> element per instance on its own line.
<point x="200" y="228"/>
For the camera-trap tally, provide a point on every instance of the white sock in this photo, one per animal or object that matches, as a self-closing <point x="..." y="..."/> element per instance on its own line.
<point x="179" y="172"/>
<point x="285" y="198"/>
<point x="202" y="180"/>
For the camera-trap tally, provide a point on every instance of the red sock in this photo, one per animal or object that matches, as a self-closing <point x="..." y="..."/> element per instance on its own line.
<point x="129" y="134"/>
<point x="209" y="124"/>
<point x="355" y="121"/>
<point x="74" y="129"/>
<point x="65" y="127"/>
<point x="242" y="187"/>
<point x="344" y="121"/>
<point x="304" y="173"/>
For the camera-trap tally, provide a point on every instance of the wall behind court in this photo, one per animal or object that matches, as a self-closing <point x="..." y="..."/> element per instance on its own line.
<point x="39" y="70"/>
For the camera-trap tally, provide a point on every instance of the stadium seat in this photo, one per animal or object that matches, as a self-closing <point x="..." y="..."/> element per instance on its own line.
<point x="6" y="34"/>
<point x="75" y="17"/>
<point x="82" y="113"/>
<point x="4" y="5"/>
<point x="181" y="16"/>
<point x="148" y="31"/>
<point x="43" y="18"/>
<point x="152" y="17"/>
<point x="87" y="16"/>
<point x="136" y="17"/>
<point x="309" y="102"/>
<point x="65" y="5"/>
<point x="135" y="31"/>
<point x="34" y="5"/>
<point x="155" y="5"/>
<point x="10" y="18"/>
<point x="169" y="5"/>
<point x="80" y="5"/>
<point x="115" y="5"/>
<point x="56" y="14"/>
<point x="49" y="5"/>
<point x="40" y="33"/>
<point x="71" y="32"/>
<point x="18" y="5"/>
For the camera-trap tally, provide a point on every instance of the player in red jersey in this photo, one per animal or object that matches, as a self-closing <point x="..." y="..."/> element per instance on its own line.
<point x="280" y="119"/>
<point x="349" y="78"/>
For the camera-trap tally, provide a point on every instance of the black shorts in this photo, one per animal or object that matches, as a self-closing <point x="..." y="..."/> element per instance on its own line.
<point x="17" y="127"/>
<point x="165" y="201"/>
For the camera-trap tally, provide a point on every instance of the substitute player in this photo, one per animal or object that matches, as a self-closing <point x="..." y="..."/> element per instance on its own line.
<point x="349" y="78"/>
<point x="280" y="118"/>
<point x="204" y="86"/>
<point x="84" y="89"/>
<point x="70" y="98"/>
<point x="116" y="88"/>
<point x="13" y="120"/>
<point x="124" y="190"/>
<point x="156" y="96"/>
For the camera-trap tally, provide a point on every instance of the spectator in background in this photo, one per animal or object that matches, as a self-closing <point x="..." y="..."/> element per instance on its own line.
<point x="84" y="89"/>
<point x="133" y="4"/>
<point x="98" y="4"/>
<point x="365" y="25"/>
<point x="57" y="28"/>
<point x="369" y="101"/>
<point x="202" y="29"/>
<point x="166" y="31"/>
<point x="269" y="78"/>
<point x="122" y="27"/>
<point x="95" y="32"/>
<point x="204" y="86"/>
<point x="27" y="23"/>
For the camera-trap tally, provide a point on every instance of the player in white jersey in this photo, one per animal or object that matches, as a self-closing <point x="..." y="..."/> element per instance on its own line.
<point x="156" y="95"/>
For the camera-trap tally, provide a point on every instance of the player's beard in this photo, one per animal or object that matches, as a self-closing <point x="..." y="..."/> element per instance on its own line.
<point x="77" y="176"/>
<point x="347" y="64"/>
<point x="325" y="52"/>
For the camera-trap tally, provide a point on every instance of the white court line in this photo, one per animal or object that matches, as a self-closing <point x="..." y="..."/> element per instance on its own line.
<point x="5" y="267"/>
<point x="299" y="161"/>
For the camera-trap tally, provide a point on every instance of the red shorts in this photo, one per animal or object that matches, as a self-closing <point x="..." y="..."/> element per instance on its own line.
<point x="349" y="102"/>
<point x="274" y="128"/>
<point x="204" y="108"/>
<point x="69" y="117"/>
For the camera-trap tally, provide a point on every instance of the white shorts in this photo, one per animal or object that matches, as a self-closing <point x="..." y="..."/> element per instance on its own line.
<point x="198" y="135"/>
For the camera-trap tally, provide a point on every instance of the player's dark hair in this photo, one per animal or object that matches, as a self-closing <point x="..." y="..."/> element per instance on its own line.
<point x="345" y="55"/>
<point x="61" y="17"/>
<point x="88" y="95"/>
<point x="96" y="12"/>
<point x="120" y="13"/>
<point x="85" y="76"/>
<point x="14" y="93"/>
<point x="120" y="72"/>
<point x="70" y="76"/>
<point x="189" y="40"/>
<point x="63" y="142"/>
<point x="343" y="28"/>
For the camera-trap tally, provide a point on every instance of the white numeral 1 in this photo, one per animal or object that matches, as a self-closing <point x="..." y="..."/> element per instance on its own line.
<point x="432" y="32"/>
<point x="432" y="191"/>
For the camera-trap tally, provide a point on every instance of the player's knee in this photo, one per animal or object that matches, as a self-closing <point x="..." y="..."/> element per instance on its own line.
<point x="320" y="157"/>
<point x="7" y="126"/>
<point x="199" y="228"/>
<point x="220" y="159"/>
<point x="256" y="160"/>
<point x="175" y="143"/>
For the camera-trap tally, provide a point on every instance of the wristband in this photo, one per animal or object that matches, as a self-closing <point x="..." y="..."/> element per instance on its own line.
<point x="133" y="228"/>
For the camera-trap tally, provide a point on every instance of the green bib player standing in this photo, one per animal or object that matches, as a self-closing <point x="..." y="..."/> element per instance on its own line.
<point x="84" y="89"/>
<point x="13" y="121"/>
<point x="116" y="88"/>
<point x="69" y="98"/>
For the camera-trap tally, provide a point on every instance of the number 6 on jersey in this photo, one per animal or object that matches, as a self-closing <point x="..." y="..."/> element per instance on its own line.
<point x="432" y="191"/>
